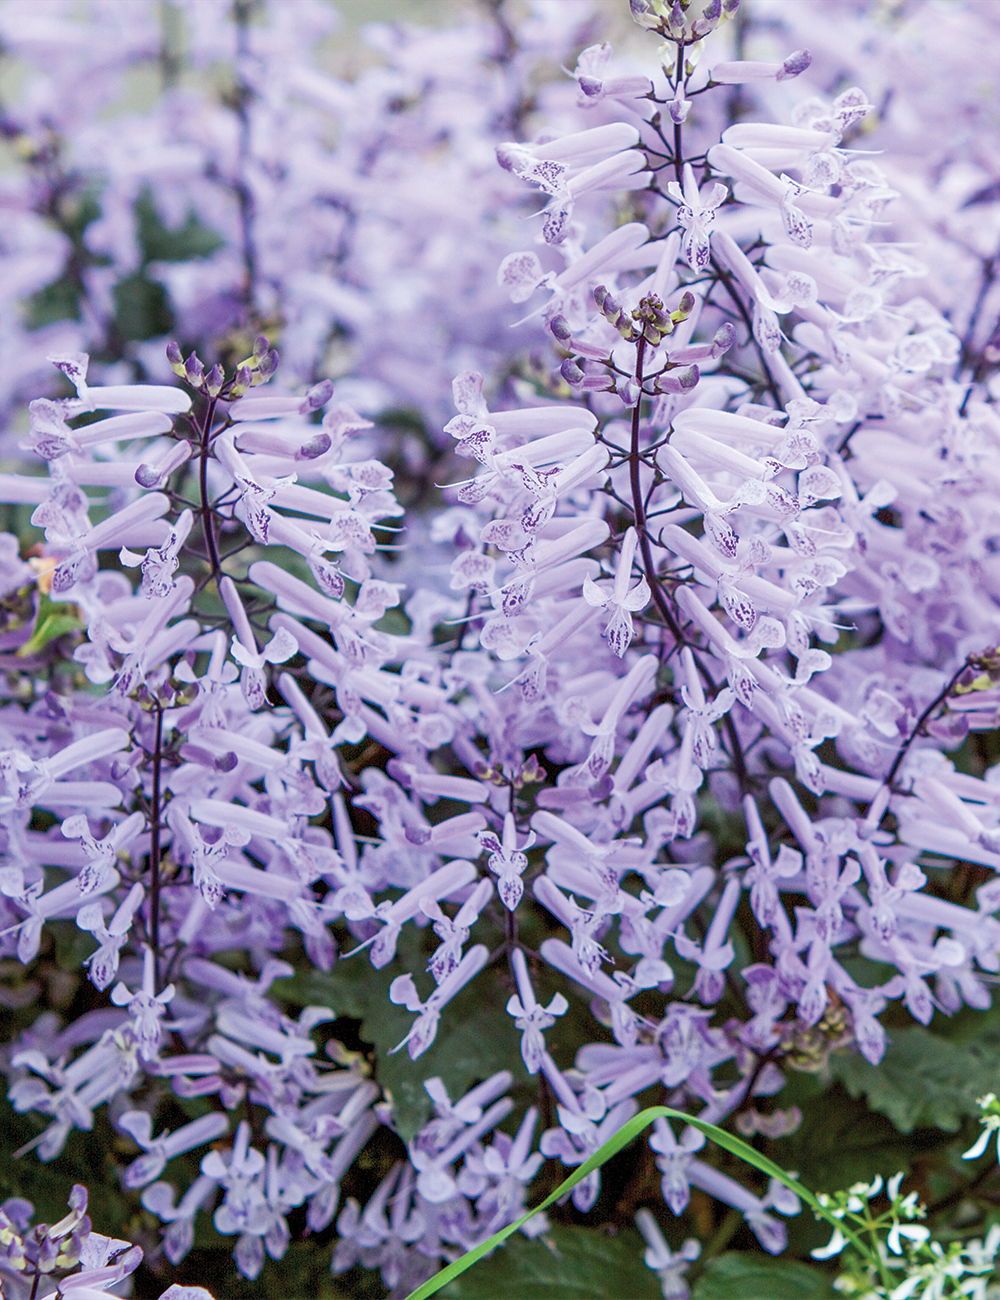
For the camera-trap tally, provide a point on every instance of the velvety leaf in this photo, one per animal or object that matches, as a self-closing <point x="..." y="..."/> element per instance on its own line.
<point x="923" y="1080"/>
<point x="567" y="1263"/>
<point x="475" y="1037"/>
<point x="971" y="1025"/>
<point x="736" y="1275"/>
<point x="841" y="1141"/>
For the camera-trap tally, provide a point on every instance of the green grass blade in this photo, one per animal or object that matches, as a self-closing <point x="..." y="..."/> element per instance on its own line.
<point x="736" y="1146"/>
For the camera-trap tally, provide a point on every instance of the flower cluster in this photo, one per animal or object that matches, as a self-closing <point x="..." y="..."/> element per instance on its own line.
<point x="904" y="1260"/>
<point x="68" y="1258"/>
<point x="130" y="225"/>
<point x="643" y="699"/>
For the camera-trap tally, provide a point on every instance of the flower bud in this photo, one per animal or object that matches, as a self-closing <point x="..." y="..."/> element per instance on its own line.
<point x="317" y="396"/>
<point x="317" y="446"/>
<point x="794" y="65"/>
<point x="725" y="337"/>
<point x="186" y="695"/>
<point x="144" y="699"/>
<point x="242" y="380"/>
<point x="629" y="391"/>
<point x="175" y="359"/>
<point x="214" y="381"/>
<point x="560" y="329"/>
<point x="571" y="372"/>
<point x="601" y="296"/>
<point x="679" y="107"/>
<point x="684" y="21"/>
<point x="680" y="380"/>
<point x="684" y="308"/>
<point x="194" y="371"/>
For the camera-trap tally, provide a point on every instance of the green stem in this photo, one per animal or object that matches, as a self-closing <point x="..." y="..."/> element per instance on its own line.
<point x="723" y="1235"/>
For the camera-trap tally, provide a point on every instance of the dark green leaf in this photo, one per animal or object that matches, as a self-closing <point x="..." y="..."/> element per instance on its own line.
<point x="78" y="211"/>
<point x="303" y="1272"/>
<point x="841" y="1142"/>
<point x="59" y="300"/>
<point x="71" y="946"/>
<point x="181" y="244"/>
<point x="969" y="1025"/>
<point x="923" y="1080"/>
<point x="738" y="1276"/>
<point x="87" y="1158"/>
<point x="475" y="1038"/>
<point x="566" y="1263"/>
<point x="141" y="307"/>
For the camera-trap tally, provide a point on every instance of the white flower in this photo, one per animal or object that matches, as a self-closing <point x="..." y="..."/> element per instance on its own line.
<point x="833" y="1247"/>
<point x="278" y="650"/>
<point x="622" y="602"/>
<point x="696" y="213"/>
<point x="506" y="860"/>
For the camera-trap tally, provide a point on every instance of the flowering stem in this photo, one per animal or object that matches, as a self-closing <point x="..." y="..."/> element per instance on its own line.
<point x="967" y="356"/>
<point x="154" y="843"/>
<point x="842" y="447"/>
<point x="722" y="1236"/>
<point x="763" y="1058"/>
<point x="639" y="507"/>
<point x="510" y="931"/>
<point x="962" y="1192"/>
<point x="678" y="150"/>
<point x="921" y="722"/>
<point x="726" y="283"/>
<point x="207" y="523"/>
<point x="463" y="622"/>
<point x="656" y="590"/>
<point x="169" y="53"/>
